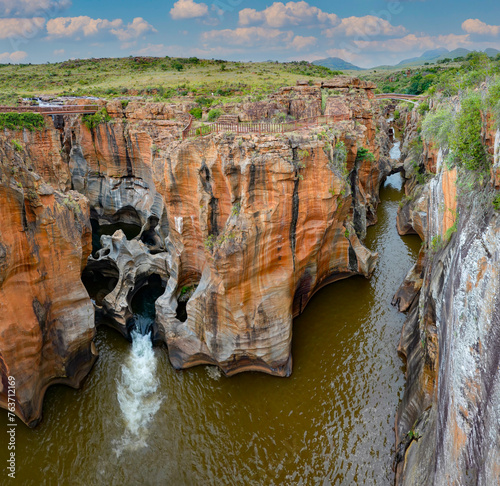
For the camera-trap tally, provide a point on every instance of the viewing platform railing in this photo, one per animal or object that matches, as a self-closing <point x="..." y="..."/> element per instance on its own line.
<point x="260" y="128"/>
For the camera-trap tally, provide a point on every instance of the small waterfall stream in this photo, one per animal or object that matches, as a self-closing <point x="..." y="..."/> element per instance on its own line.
<point x="137" y="389"/>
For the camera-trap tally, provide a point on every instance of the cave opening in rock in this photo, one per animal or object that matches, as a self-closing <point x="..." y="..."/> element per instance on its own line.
<point x="126" y="220"/>
<point x="143" y="302"/>
<point x="100" y="278"/>
<point x="150" y="237"/>
<point x="185" y="294"/>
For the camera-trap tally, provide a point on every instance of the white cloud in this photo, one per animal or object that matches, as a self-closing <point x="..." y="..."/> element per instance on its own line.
<point x="412" y="42"/>
<point x="248" y="36"/>
<point x="292" y="13"/>
<point x="475" y="26"/>
<point x="20" y="28"/>
<point x="70" y="26"/>
<point x="59" y="52"/>
<point x="366" y="26"/>
<point x="133" y="30"/>
<point x="188" y="9"/>
<point x="13" y="56"/>
<point x="32" y="7"/>
<point x="264" y="37"/>
<point x="301" y="43"/>
<point x="87" y="26"/>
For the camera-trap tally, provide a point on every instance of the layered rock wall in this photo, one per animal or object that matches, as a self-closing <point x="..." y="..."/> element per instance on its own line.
<point x="447" y="424"/>
<point x="47" y="319"/>
<point x="240" y="232"/>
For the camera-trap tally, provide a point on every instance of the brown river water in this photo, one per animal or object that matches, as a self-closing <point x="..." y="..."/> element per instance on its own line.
<point x="137" y="421"/>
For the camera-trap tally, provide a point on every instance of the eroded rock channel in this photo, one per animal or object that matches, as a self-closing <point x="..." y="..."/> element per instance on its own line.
<point x="230" y="237"/>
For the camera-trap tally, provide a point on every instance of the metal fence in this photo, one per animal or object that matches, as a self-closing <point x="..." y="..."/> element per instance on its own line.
<point x="51" y="110"/>
<point x="260" y="128"/>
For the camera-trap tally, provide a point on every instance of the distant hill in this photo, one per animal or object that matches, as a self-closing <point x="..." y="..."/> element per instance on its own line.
<point x="337" y="64"/>
<point x="492" y="52"/>
<point x="440" y="54"/>
<point x="434" y="55"/>
<point x="426" y="56"/>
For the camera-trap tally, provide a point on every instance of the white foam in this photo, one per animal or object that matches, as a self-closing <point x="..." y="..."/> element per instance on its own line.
<point x="395" y="152"/>
<point x="137" y="393"/>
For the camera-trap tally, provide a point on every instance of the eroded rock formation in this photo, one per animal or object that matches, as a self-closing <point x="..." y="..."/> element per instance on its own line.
<point x="447" y="424"/>
<point x="47" y="319"/>
<point x="240" y="231"/>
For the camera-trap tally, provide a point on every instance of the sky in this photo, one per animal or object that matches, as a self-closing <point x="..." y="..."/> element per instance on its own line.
<point x="365" y="32"/>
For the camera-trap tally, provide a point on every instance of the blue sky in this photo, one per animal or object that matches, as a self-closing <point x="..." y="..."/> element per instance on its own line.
<point x="365" y="32"/>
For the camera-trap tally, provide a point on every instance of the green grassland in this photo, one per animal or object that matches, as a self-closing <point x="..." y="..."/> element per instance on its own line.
<point x="448" y="76"/>
<point x="153" y="78"/>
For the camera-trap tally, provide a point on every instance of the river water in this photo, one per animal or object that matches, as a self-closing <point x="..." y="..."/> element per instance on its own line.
<point x="136" y="421"/>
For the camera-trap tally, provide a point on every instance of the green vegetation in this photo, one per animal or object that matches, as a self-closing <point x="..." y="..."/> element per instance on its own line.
<point x="449" y="77"/>
<point x="16" y="145"/>
<point x="436" y="243"/>
<point x="364" y="154"/>
<point x="214" y="115"/>
<point x="465" y="140"/>
<point x="19" y="121"/>
<point x="154" y="78"/>
<point x="92" y="121"/>
<point x="438" y="125"/>
<point x="197" y="113"/>
<point x="496" y="203"/>
<point x="451" y="231"/>
<point x="187" y="289"/>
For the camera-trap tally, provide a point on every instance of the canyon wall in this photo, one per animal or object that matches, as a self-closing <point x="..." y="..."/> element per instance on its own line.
<point x="447" y="424"/>
<point x="239" y="231"/>
<point x="47" y="319"/>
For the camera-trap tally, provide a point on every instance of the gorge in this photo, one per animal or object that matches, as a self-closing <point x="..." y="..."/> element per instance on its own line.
<point x="217" y="249"/>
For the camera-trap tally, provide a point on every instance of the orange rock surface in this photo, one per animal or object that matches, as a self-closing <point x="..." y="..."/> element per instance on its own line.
<point x="47" y="319"/>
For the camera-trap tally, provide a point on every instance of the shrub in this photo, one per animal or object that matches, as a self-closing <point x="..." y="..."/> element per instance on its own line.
<point x="437" y="126"/>
<point x="177" y="65"/>
<point x="397" y="115"/>
<point x="364" y="154"/>
<point x="17" y="121"/>
<point x="496" y="203"/>
<point x="339" y="158"/>
<point x="92" y="121"/>
<point x="423" y="107"/>
<point x="16" y="145"/>
<point x="465" y="140"/>
<point x="202" y="101"/>
<point x="214" y="114"/>
<point x="197" y="113"/>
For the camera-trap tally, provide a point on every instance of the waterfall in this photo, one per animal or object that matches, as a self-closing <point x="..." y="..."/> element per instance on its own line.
<point x="137" y="388"/>
<point x="395" y="152"/>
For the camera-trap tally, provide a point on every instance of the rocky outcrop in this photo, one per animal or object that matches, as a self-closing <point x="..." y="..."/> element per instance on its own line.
<point x="258" y="225"/>
<point x="47" y="319"/>
<point x="237" y="233"/>
<point x="448" y="434"/>
<point x="447" y="423"/>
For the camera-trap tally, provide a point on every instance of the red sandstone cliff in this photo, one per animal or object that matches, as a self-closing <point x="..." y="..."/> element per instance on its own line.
<point x="252" y="225"/>
<point x="47" y="319"/>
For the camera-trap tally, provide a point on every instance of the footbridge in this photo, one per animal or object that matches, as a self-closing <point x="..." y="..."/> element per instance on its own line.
<point x="52" y="110"/>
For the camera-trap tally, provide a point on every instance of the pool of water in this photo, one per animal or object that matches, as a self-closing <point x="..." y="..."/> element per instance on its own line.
<point x="330" y="422"/>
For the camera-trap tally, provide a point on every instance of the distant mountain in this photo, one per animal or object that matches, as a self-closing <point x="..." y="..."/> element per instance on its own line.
<point x="460" y="52"/>
<point x="492" y="52"/>
<point x="425" y="57"/>
<point x="337" y="64"/>
<point x="440" y="54"/>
